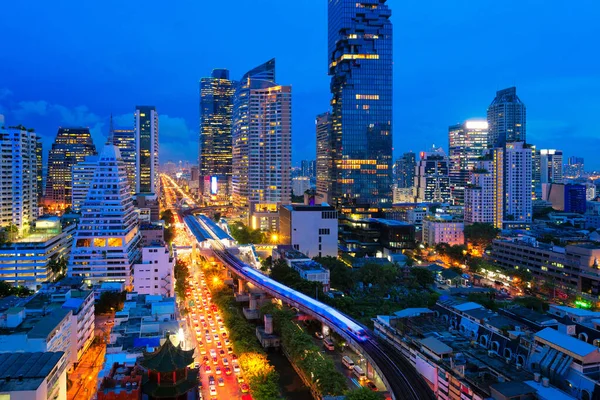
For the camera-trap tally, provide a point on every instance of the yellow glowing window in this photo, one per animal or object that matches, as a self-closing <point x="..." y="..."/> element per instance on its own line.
<point x="99" y="242"/>
<point x="367" y="97"/>
<point x="115" y="242"/>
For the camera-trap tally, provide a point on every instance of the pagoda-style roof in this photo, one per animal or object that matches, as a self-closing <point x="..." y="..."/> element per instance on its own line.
<point x="156" y="391"/>
<point x="168" y="358"/>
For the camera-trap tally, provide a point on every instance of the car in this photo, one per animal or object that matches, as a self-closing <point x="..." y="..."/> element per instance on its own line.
<point x="218" y="370"/>
<point x="222" y="353"/>
<point x="205" y="360"/>
<point x="219" y="345"/>
<point x="206" y="331"/>
<point x="213" y="390"/>
<point x="227" y="371"/>
<point x="208" y="339"/>
<point x="207" y="369"/>
<point x="222" y="327"/>
<point x="224" y="334"/>
<point x="236" y="368"/>
<point x="240" y="379"/>
<point x="230" y="350"/>
<point x="245" y="388"/>
<point x="227" y="342"/>
<point x="211" y="380"/>
<point x="216" y="336"/>
<point x="213" y="329"/>
<point x="372" y="386"/>
<point x="196" y="364"/>
<point x="233" y="357"/>
<point x="225" y="362"/>
<point x="319" y="335"/>
<point x="202" y="350"/>
<point x="213" y="353"/>
<point x="215" y="361"/>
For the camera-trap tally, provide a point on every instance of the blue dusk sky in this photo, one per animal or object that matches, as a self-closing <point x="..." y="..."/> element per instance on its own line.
<point x="72" y="63"/>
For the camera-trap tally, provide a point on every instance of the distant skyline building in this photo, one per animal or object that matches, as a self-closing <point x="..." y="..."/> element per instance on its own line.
<point x="432" y="180"/>
<point x="467" y="142"/>
<point x="125" y="140"/>
<point x="70" y="147"/>
<point x="262" y="146"/>
<point x="512" y="186"/>
<point x="19" y="178"/>
<point x="216" y="111"/>
<point x="106" y="244"/>
<point x="82" y="176"/>
<point x="360" y="64"/>
<point x="324" y="157"/>
<point x="39" y="155"/>
<point x="308" y="168"/>
<point x="506" y="117"/>
<point x="405" y="170"/>
<point x="551" y="166"/>
<point x="146" y="132"/>
<point x="574" y="168"/>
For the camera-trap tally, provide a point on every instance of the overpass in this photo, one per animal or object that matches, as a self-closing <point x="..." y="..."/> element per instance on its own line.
<point x="397" y="373"/>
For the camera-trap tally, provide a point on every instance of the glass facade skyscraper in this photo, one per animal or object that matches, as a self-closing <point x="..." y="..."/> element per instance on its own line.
<point x="146" y="127"/>
<point x="507" y="118"/>
<point x="360" y="66"/>
<point x="124" y="139"/>
<point x="324" y="160"/>
<point x="405" y="170"/>
<point x="216" y="107"/>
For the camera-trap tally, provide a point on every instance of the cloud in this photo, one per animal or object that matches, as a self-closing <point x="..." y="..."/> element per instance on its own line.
<point x="5" y="93"/>
<point x="28" y="108"/>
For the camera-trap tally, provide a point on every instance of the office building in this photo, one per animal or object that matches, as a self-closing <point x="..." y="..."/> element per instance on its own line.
<point x="324" y="157"/>
<point x="363" y="236"/>
<point x="39" y="157"/>
<point x="107" y="239"/>
<point x="33" y="376"/>
<point x="26" y="260"/>
<point x="467" y="142"/>
<point x="312" y="230"/>
<point x="570" y="198"/>
<point x="124" y="139"/>
<point x="300" y="184"/>
<point x="308" y="168"/>
<point x="307" y="268"/>
<point x="262" y="146"/>
<point x="574" y="168"/>
<point x="479" y="194"/>
<point x="403" y="195"/>
<point x="405" y="170"/>
<point x="432" y="179"/>
<point x="443" y="228"/>
<point x="19" y="177"/>
<point x="216" y="108"/>
<point x="70" y="147"/>
<point x="551" y="166"/>
<point x="82" y="175"/>
<point x="536" y="175"/>
<point x="146" y="134"/>
<point x="361" y="69"/>
<point x="154" y="275"/>
<point x="506" y="117"/>
<point x="512" y="186"/>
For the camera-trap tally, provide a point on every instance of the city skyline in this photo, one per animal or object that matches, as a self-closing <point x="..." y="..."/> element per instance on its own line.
<point x="424" y="92"/>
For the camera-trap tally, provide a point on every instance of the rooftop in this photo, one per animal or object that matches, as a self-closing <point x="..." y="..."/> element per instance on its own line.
<point x="565" y="342"/>
<point x="47" y="324"/>
<point x="168" y="358"/>
<point x="308" y="266"/>
<point x="512" y="389"/>
<point x="26" y="371"/>
<point x="289" y="253"/>
<point x="304" y="207"/>
<point x="436" y="346"/>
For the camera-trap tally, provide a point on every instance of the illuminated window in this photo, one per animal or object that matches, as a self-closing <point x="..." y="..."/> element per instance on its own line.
<point x="367" y="97"/>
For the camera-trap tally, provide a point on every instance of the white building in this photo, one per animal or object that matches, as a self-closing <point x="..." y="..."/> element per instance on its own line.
<point x="300" y="185"/>
<point x="432" y="177"/>
<point x="312" y="230"/>
<point x="82" y="175"/>
<point x="107" y="240"/>
<point x="154" y="275"/>
<point x="25" y="260"/>
<point x="551" y="166"/>
<point x="33" y="376"/>
<point x="512" y="174"/>
<point x="443" y="229"/>
<point x="479" y="194"/>
<point x="18" y="180"/>
<point x="308" y="269"/>
<point x="403" y="195"/>
<point x="146" y="141"/>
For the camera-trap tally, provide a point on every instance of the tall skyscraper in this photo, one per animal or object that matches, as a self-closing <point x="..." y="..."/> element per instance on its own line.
<point x="146" y="128"/>
<point x="124" y="139"/>
<point x="324" y="157"/>
<point x="107" y="239"/>
<point x="506" y="118"/>
<point x="82" y="176"/>
<point x="262" y="145"/>
<point x="360" y="65"/>
<point x="308" y="168"/>
<point x="479" y="193"/>
<point x="18" y="180"/>
<point x="512" y="186"/>
<point x="405" y="170"/>
<point x="39" y="157"/>
<point x="574" y="168"/>
<point x="432" y="182"/>
<point x="70" y="147"/>
<point x="216" y="108"/>
<point x="536" y="174"/>
<point x="551" y="166"/>
<point x="467" y="142"/>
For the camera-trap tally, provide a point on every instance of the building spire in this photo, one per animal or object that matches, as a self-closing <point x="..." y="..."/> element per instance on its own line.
<point x="111" y="132"/>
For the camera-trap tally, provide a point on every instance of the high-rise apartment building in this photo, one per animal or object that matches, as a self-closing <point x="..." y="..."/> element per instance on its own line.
<point x="82" y="176"/>
<point x="467" y="142"/>
<point x="124" y="139"/>
<point x="107" y="239"/>
<point x="360" y="65"/>
<point x="216" y="108"/>
<point x="479" y="194"/>
<point x="324" y="157"/>
<point x="308" y="168"/>
<point x="512" y="186"/>
<point x="506" y="117"/>
<point x="536" y="174"/>
<point x="19" y="177"/>
<point x="574" y="168"/>
<point x="39" y="157"/>
<point x="146" y="133"/>
<point x="432" y="180"/>
<point x="70" y="147"/>
<point x="262" y="146"/>
<point x="551" y="166"/>
<point x="405" y="170"/>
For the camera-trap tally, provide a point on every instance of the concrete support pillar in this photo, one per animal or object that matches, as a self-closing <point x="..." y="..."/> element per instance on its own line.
<point x="229" y="276"/>
<point x="240" y="286"/>
<point x="253" y="302"/>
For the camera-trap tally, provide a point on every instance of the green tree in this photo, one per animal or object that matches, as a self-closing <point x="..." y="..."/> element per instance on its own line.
<point x="110" y="301"/>
<point x="244" y="235"/>
<point x="169" y="234"/>
<point x="58" y="266"/>
<point x="168" y="217"/>
<point x="6" y="289"/>
<point x="480" y="235"/>
<point x="422" y="276"/>
<point x="217" y="216"/>
<point x="341" y="276"/>
<point x="363" y="394"/>
<point x="182" y="278"/>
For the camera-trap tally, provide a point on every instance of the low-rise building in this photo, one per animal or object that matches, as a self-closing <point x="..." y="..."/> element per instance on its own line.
<point x="152" y="233"/>
<point x="312" y="230"/>
<point x="443" y="228"/>
<point x="370" y="237"/>
<point x="25" y="261"/>
<point x="33" y="376"/>
<point x="308" y="269"/>
<point x="123" y="382"/>
<point x="154" y="275"/>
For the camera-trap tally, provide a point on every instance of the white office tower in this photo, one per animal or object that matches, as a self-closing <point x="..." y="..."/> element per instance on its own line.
<point x="82" y="175"/>
<point x="551" y="166"/>
<point x="479" y="194"/>
<point x="512" y="186"/>
<point x="107" y="240"/>
<point x="18" y="179"/>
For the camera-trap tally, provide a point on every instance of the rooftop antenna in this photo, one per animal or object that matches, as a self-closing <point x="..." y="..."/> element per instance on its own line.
<point x="111" y="132"/>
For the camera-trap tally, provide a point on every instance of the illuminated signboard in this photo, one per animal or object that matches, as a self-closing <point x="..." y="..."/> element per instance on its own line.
<point x="213" y="185"/>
